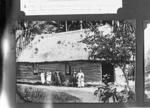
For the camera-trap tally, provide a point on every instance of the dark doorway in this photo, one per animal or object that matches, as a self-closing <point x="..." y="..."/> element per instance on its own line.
<point x="107" y="72"/>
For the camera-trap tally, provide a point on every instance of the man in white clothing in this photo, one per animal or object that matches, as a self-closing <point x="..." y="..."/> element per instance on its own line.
<point x="80" y="78"/>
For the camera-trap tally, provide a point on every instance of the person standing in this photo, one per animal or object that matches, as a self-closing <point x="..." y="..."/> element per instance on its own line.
<point x="80" y="79"/>
<point x="48" y="77"/>
<point x="58" y="82"/>
<point x="74" y="78"/>
<point x="42" y="77"/>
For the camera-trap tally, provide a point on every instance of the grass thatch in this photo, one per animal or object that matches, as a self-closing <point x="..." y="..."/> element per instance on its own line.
<point x="56" y="47"/>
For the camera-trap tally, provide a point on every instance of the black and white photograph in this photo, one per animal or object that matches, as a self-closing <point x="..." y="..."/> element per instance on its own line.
<point x="147" y="58"/>
<point x="75" y="61"/>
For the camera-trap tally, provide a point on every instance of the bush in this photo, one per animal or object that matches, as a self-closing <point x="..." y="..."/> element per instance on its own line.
<point x="106" y="92"/>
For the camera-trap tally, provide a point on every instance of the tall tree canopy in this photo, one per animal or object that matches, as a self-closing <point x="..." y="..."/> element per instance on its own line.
<point x="117" y="47"/>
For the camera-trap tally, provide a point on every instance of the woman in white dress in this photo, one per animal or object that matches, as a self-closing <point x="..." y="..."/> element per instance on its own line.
<point x="48" y="77"/>
<point x="42" y="77"/>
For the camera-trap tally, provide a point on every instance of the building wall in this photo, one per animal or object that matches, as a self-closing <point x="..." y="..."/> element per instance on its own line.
<point x="92" y="70"/>
<point x="27" y="71"/>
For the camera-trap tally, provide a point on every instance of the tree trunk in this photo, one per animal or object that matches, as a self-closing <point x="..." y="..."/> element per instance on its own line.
<point x="126" y="77"/>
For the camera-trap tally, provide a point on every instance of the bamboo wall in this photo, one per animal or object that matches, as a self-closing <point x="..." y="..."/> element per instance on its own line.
<point x="92" y="71"/>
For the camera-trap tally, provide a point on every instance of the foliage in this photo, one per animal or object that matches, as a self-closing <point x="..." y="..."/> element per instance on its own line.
<point x="105" y="79"/>
<point x="117" y="47"/>
<point x="109" y="93"/>
<point x="25" y="31"/>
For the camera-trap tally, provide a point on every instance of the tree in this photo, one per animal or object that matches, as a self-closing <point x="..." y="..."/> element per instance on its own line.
<point x="117" y="47"/>
<point x="25" y="31"/>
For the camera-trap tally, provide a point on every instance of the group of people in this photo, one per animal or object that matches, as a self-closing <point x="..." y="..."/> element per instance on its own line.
<point x="78" y="79"/>
<point x="57" y="78"/>
<point x="46" y="78"/>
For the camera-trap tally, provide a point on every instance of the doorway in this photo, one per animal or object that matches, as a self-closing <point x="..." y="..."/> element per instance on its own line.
<point x="107" y="72"/>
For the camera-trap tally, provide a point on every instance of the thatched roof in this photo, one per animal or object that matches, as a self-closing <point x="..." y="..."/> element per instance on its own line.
<point x="65" y="46"/>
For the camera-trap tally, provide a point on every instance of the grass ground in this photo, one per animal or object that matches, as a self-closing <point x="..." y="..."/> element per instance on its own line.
<point x="46" y="94"/>
<point x="37" y="93"/>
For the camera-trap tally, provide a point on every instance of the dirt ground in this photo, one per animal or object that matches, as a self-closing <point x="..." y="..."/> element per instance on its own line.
<point x="84" y="94"/>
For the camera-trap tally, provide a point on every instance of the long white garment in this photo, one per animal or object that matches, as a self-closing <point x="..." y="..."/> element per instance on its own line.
<point x="49" y="77"/>
<point x="43" y="78"/>
<point x="80" y="78"/>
